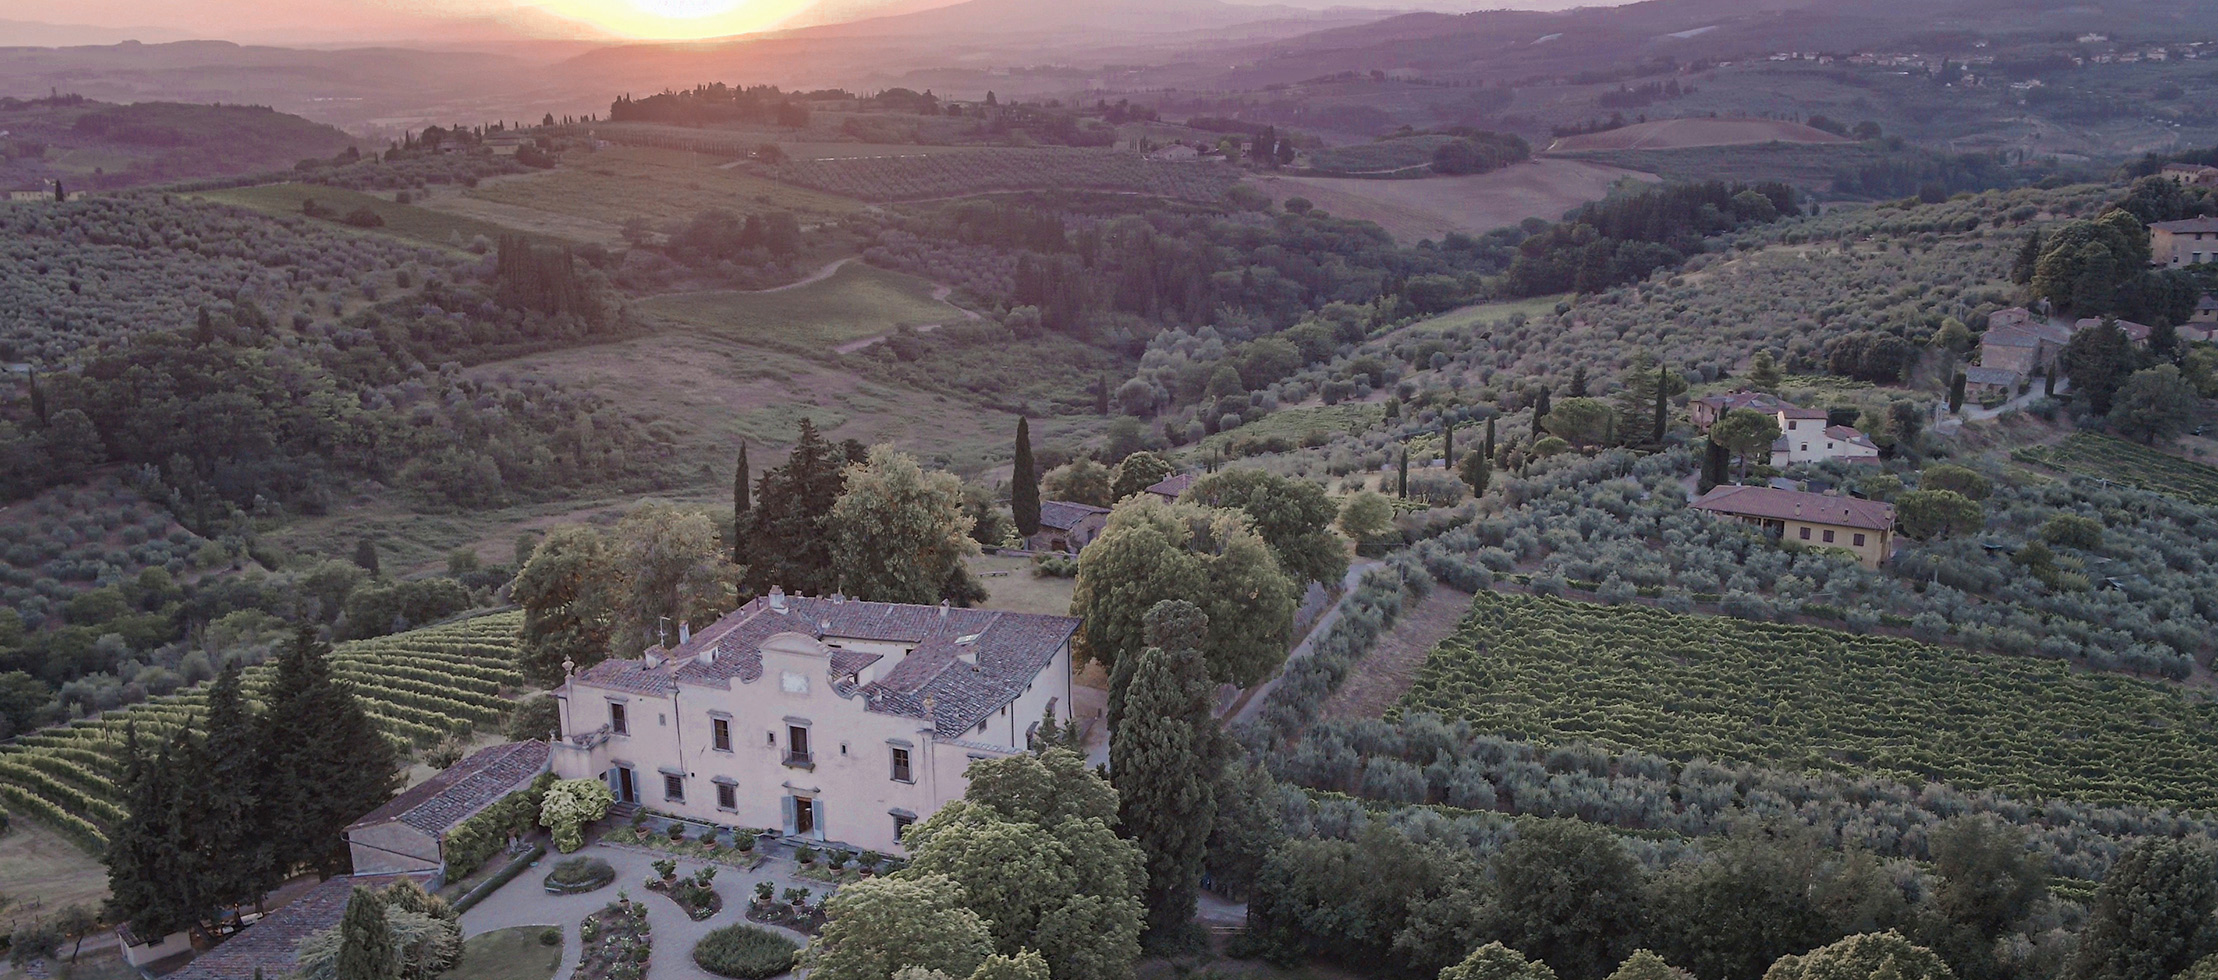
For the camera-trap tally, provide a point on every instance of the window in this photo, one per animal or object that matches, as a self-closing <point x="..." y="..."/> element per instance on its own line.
<point x="1805" y="534"/>
<point x="727" y="796"/>
<point x="616" y="719"/>
<point x="797" y="746"/>
<point x="723" y="733"/>
<point x="1829" y="537"/>
<point x="1859" y="541"/>
<point x="673" y="787"/>
<point x="901" y="772"/>
<point x="901" y="823"/>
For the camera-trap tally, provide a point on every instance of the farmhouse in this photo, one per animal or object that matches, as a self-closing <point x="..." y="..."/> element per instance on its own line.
<point x="2206" y="310"/>
<point x="2136" y="332"/>
<point x="1865" y="527"/>
<point x="1067" y="526"/>
<point x="2193" y="241"/>
<point x="2025" y="346"/>
<point x="1706" y="410"/>
<point x="409" y="833"/>
<point x="1983" y="384"/>
<point x="1176" y="153"/>
<point x="2190" y="173"/>
<point x="1171" y="487"/>
<point x="1804" y="441"/>
<point x="833" y="719"/>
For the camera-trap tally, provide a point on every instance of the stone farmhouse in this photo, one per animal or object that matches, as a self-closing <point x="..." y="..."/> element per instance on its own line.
<point x="1067" y="526"/>
<point x="269" y="947"/>
<point x="1706" y="410"/>
<point x="1171" y="487"/>
<point x="1864" y="527"/>
<point x="1983" y="384"/>
<point x="409" y="833"/>
<point x="2190" y="173"/>
<point x="828" y="719"/>
<point x="2193" y="241"/>
<point x="1804" y="436"/>
<point x="2021" y="342"/>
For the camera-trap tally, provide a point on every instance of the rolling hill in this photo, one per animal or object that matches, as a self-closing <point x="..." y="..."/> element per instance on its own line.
<point x="88" y="144"/>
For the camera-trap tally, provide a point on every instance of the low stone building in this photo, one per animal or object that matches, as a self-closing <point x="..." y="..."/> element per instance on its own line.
<point x="1831" y="442"/>
<point x="409" y="833"/>
<point x="1067" y="526"/>
<point x="1985" y="384"/>
<point x="1171" y="487"/>
<point x="2193" y="241"/>
<point x="269" y="948"/>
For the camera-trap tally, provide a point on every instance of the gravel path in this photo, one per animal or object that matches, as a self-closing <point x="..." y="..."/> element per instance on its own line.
<point x="524" y="902"/>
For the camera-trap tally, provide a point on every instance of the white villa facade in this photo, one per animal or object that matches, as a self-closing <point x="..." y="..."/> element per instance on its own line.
<point x="828" y="719"/>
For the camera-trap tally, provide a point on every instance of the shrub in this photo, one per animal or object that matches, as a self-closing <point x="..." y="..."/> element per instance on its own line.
<point x="745" y="952"/>
<point x="579" y="874"/>
<point x="550" y="936"/>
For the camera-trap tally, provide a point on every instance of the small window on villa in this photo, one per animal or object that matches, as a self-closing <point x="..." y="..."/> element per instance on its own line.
<point x="673" y="787"/>
<point x="900" y="824"/>
<point x="1859" y="541"/>
<point x="727" y="796"/>
<point x="1828" y="537"/>
<point x="981" y="726"/>
<point x="616" y="719"/>
<point x="723" y="729"/>
<point x="901" y="771"/>
<point x="1805" y="534"/>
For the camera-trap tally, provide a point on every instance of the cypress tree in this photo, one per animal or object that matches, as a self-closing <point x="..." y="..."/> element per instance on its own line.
<point x="1956" y="392"/>
<point x="1540" y="412"/>
<point x="1401" y="484"/>
<point x="365" y="555"/>
<point x="1448" y="445"/>
<point x="1663" y="400"/>
<point x="1024" y="484"/>
<point x="1490" y="437"/>
<point x="1164" y="756"/>
<point x="141" y="848"/>
<point x="788" y="543"/>
<point x="1578" y="381"/>
<point x="366" y="950"/>
<point x="740" y="507"/>
<point x="38" y="400"/>
<point x="234" y="825"/>
<point x="328" y="763"/>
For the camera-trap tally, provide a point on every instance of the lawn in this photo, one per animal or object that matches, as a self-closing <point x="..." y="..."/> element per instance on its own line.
<point x="1019" y="590"/>
<point x="659" y="185"/>
<point x="507" y="954"/>
<point x="1293" y="425"/>
<point x="855" y="303"/>
<point x="403" y="220"/>
<point x="39" y="865"/>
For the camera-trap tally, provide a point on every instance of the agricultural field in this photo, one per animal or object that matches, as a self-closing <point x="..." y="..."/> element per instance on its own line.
<point x="2091" y="455"/>
<point x="404" y="220"/>
<point x="1679" y="134"/>
<point x="1304" y="425"/>
<point x="419" y="686"/>
<point x="1379" y="155"/>
<point x="1553" y="670"/>
<point x="1432" y="207"/>
<point x="996" y="169"/>
<point x="855" y="302"/>
<point x="595" y="193"/>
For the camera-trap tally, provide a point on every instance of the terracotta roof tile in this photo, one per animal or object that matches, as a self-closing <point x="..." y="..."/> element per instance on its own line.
<point x="269" y="944"/>
<point x="459" y="791"/>
<point x="1063" y="515"/>
<point x="1172" y="487"/>
<point x="1774" y="504"/>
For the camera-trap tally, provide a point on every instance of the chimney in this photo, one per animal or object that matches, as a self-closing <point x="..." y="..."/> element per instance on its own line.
<point x="685" y="633"/>
<point x="653" y="659"/>
<point x="708" y="656"/>
<point x="777" y="599"/>
<point x="943" y="609"/>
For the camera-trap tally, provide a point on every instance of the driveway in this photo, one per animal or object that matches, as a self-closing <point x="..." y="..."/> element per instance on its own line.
<point x="1252" y="704"/>
<point x="524" y="902"/>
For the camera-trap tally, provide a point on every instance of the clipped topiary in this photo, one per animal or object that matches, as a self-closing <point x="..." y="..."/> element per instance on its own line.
<point x="745" y="952"/>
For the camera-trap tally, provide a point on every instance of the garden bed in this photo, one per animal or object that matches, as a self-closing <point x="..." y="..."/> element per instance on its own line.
<point x="617" y="943"/>
<point x="746" y="953"/>
<point x="792" y="910"/>
<point x="692" y="893"/>
<point x="578" y="875"/>
<point x="734" y="847"/>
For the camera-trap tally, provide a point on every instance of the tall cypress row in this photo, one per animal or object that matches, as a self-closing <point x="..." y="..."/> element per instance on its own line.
<point x="235" y="825"/>
<point x="328" y="764"/>
<point x="1165" y="755"/>
<point x="1024" y="483"/>
<point x="740" y="507"/>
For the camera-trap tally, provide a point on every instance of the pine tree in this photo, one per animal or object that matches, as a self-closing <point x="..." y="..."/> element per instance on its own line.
<point x="1165" y="756"/>
<point x="789" y="547"/>
<point x="366" y="949"/>
<point x="740" y="507"/>
<point x="234" y="824"/>
<point x="1663" y="400"/>
<point x="328" y="763"/>
<point x="365" y="555"/>
<point x="1024" y="484"/>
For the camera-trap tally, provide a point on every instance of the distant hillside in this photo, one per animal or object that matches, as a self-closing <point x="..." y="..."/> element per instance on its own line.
<point x="1679" y="134"/>
<point x="92" y="145"/>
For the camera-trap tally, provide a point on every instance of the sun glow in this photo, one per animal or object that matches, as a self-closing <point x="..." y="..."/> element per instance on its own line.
<point x="677" y="20"/>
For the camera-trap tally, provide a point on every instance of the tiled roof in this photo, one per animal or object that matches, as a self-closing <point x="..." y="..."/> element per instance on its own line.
<point x="1766" y="502"/>
<point x="2136" y="332"/>
<point x="1063" y="515"/>
<point x="459" y="791"/>
<point x="1850" y="435"/>
<point x="2009" y="337"/>
<point x="2189" y="225"/>
<point x="1010" y="650"/>
<point x="1758" y="400"/>
<point x="268" y="945"/>
<point x="1990" y="376"/>
<point x="1171" y="487"/>
<point x="1801" y="413"/>
<point x="2016" y="316"/>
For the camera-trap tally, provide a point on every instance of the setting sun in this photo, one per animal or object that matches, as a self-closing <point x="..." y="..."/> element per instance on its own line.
<point x="677" y="19"/>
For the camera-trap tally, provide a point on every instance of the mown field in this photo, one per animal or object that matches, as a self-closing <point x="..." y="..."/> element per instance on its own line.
<point x="419" y="686"/>
<point x="1553" y="670"/>
<point x="1379" y="155"/>
<point x="405" y="220"/>
<point x="854" y="303"/>
<point x="915" y="178"/>
<point x="660" y="185"/>
<point x="2088" y="454"/>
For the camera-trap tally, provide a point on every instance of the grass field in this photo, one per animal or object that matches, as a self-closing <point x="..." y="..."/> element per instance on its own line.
<point x="1293" y="424"/>
<point x="607" y="187"/>
<point x="1019" y="590"/>
<point x="1552" y="670"/>
<point x="1432" y="207"/>
<point x="404" y="220"/>
<point x="857" y="302"/>
<point x="1394" y="154"/>
<point x="1679" y="134"/>
<point x="2087" y="454"/>
<point x="507" y="954"/>
<point x="42" y="868"/>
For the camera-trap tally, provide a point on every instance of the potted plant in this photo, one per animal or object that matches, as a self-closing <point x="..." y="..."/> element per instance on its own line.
<point x="838" y="859"/>
<point x="677" y="831"/>
<point x="744" y="840"/>
<point x="805" y="854"/>
<point x="763" y="893"/>
<point x="666" y="869"/>
<point x="798" y="898"/>
<point x="705" y="875"/>
<point x="869" y="862"/>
